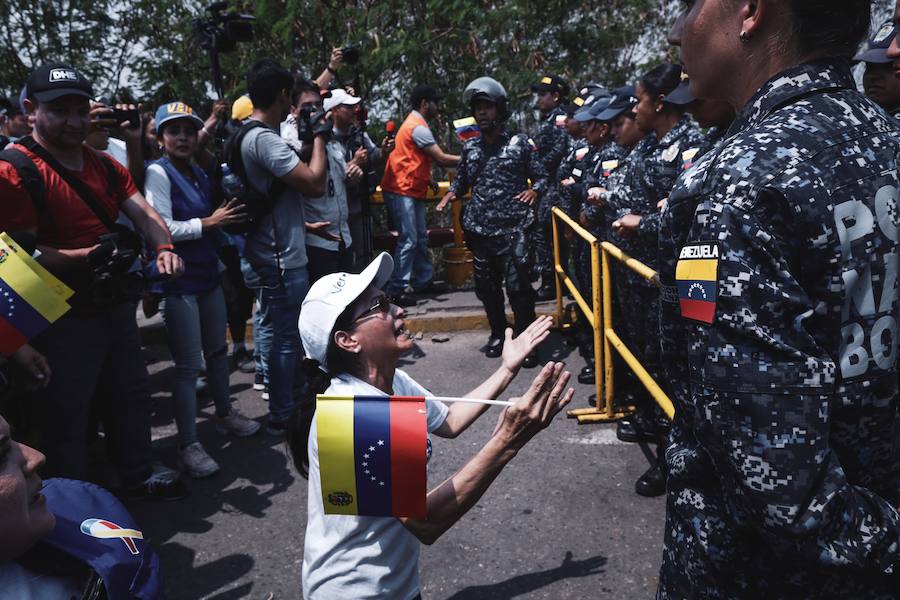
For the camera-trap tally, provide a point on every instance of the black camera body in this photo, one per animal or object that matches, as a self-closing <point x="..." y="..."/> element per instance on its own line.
<point x="223" y="31"/>
<point x="312" y="122"/>
<point x="350" y="54"/>
<point x="110" y="262"/>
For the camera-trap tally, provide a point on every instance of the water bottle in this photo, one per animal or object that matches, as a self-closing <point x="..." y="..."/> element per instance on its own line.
<point x="232" y="185"/>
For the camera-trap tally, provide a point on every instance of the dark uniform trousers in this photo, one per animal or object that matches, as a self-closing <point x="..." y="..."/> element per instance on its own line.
<point x="500" y="259"/>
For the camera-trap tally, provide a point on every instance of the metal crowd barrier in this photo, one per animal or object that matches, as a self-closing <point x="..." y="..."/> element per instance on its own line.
<point x="599" y="315"/>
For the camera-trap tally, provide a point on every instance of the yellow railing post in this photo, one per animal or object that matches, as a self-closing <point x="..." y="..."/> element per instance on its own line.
<point x="556" y="268"/>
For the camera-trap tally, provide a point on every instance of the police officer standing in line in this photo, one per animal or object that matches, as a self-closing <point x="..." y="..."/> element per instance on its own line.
<point x="553" y="144"/>
<point x="499" y="220"/>
<point x="781" y="476"/>
<point x="608" y="201"/>
<point x="880" y="83"/>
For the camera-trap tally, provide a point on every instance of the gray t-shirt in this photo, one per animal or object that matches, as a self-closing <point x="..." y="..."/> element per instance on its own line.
<point x="280" y="238"/>
<point x="421" y="134"/>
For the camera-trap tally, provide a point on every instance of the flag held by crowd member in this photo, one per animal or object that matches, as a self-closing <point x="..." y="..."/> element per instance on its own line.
<point x="57" y="286"/>
<point x="28" y="305"/>
<point x="372" y="454"/>
<point x="467" y="128"/>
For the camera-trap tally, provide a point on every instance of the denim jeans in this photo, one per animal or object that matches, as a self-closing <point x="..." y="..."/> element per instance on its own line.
<point x="195" y="327"/>
<point x="280" y="294"/>
<point x="262" y="324"/>
<point x="412" y="263"/>
<point x="86" y="348"/>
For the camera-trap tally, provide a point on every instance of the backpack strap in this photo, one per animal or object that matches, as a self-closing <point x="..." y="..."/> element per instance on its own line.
<point x="30" y="176"/>
<point x="82" y="190"/>
<point x="112" y="174"/>
<point x="236" y="162"/>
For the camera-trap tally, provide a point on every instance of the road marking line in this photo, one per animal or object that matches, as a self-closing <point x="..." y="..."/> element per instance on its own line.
<point x="597" y="437"/>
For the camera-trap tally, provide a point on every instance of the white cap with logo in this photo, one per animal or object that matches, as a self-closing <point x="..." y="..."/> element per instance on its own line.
<point x="339" y="97"/>
<point x="329" y="297"/>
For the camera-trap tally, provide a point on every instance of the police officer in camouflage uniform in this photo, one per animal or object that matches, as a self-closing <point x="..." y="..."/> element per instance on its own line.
<point x="499" y="220"/>
<point x="553" y="144"/>
<point x="596" y="167"/>
<point x="879" y="79"/>
<point x="781" y="479"/>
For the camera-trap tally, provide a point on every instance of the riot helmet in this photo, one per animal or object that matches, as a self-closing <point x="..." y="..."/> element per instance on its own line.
<point x="487" y="88"/>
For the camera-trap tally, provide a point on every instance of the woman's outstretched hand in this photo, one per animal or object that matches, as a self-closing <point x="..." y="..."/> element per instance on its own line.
<point x="535" y="410"/>
<point x="515" y="350"/>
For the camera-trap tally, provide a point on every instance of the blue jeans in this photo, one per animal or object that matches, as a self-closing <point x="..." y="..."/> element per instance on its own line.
<point x="262" y="325"/>
<point x="280" y="294"/>
<point x="195" y="326"/>
<point x="412" y="263"/>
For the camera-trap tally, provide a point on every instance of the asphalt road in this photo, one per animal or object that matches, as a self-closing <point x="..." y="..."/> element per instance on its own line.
<point x="562" y="520"/>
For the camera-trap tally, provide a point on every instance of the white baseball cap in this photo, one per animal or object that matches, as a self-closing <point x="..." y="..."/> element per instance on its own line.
<point x="339" y="97"/>
<point x="329" y="297"/>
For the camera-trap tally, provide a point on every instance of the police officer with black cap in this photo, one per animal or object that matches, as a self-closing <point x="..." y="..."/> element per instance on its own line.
<point x="880" y="82"/>
<point x="499" y="220"/>
<point x="553" y="144"/>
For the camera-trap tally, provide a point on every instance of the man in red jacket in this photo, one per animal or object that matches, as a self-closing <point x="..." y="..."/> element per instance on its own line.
<point x="405" y="186"/>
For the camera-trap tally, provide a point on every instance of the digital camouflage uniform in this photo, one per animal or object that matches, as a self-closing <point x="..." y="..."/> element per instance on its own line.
<point x="500" y="229"/>
<point x="675" y="223"/>
<point x="553" y="145"/>
<point x="634" y="297"/>
<point x="597" y="167"/>
<point x="780" y="467"/>
<point x="572" y="166"/>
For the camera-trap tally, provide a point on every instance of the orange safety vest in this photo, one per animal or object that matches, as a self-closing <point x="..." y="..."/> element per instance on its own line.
<point x="408" y="169"/>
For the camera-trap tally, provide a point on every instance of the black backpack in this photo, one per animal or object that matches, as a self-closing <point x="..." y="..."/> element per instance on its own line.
<point x="258" y="204"/>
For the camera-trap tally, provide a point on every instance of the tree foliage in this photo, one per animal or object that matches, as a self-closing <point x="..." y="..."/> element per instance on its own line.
<point x="145" y="49"/>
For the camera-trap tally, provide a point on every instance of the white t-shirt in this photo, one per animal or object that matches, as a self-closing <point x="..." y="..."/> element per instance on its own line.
<point x="361" y="557"/>
<point x="18" y="583"/>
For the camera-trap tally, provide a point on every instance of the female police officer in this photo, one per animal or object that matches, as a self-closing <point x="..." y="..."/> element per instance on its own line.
<point x="781" y="477"/>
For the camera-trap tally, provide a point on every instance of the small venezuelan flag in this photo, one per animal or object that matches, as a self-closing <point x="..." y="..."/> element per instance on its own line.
<point x="27" y="304"/>
<point x="372" y="453"/>
<point x="688" y="157"/>
<point x="697" y="277"/>
<point x="467" y="128"/>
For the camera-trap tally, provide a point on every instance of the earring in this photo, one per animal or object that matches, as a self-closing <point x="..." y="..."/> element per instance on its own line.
<point x="745" y="36"/>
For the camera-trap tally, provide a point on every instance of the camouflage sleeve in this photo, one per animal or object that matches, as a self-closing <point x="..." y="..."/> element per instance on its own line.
<point x="649" y="226"/>
<point x="553" y="146"/>
<point x="461" y="184"/>
<point x="766" y="389"/>
<point x="537" y="173"/>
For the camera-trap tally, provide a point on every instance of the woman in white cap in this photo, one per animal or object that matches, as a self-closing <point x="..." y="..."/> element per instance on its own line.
<point x="355" y="337"/>
<point x="193" y="306"/>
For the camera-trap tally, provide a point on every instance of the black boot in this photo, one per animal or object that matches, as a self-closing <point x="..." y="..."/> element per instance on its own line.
<point x="651" y="484"/>
<point x="587" y="375"/>
<point x="494" y="347"/>
<point x="632" y="429"/>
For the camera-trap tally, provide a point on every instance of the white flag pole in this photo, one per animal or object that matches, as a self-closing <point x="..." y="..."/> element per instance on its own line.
<point x="471" y="400"/>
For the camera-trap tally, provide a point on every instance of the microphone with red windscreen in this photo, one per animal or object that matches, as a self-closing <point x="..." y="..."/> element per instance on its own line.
<point x="390" y="128"/>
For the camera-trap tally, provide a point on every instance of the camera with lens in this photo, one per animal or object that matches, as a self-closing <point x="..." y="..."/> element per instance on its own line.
<point x="312" y="122"/>
<point x="350" y="54"/>
<point x="223" y="31"/>
<point x="112" y="281"/>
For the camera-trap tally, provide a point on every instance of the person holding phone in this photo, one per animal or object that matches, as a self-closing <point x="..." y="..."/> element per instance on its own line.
<point x="194" y="305"/>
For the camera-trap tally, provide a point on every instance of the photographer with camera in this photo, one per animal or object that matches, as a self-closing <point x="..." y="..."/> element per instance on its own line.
<point x="69" y="195"/>
<point x="275" y="252"/>
<point x="328" y="237"/>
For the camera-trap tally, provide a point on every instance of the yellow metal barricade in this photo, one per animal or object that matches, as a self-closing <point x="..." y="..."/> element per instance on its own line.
<point x="592" y="311"/>
<point x="599" y="315"/>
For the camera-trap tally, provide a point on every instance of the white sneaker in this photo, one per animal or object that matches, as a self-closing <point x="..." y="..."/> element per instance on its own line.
<point x="236" y="424"/>
<point x="194" y="461"/>
<point x="265" y="394"/>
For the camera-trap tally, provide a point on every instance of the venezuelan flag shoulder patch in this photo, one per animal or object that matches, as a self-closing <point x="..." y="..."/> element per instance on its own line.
<point x="697" y="276"/>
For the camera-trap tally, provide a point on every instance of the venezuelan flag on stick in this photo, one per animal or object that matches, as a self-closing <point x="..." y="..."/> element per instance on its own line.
<point x="372" y="452"/>
<point x="467" y="128"/>
<point x="27" y="304"/>
<point x="57" y="286"/>
<point x="697" y="277"/>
